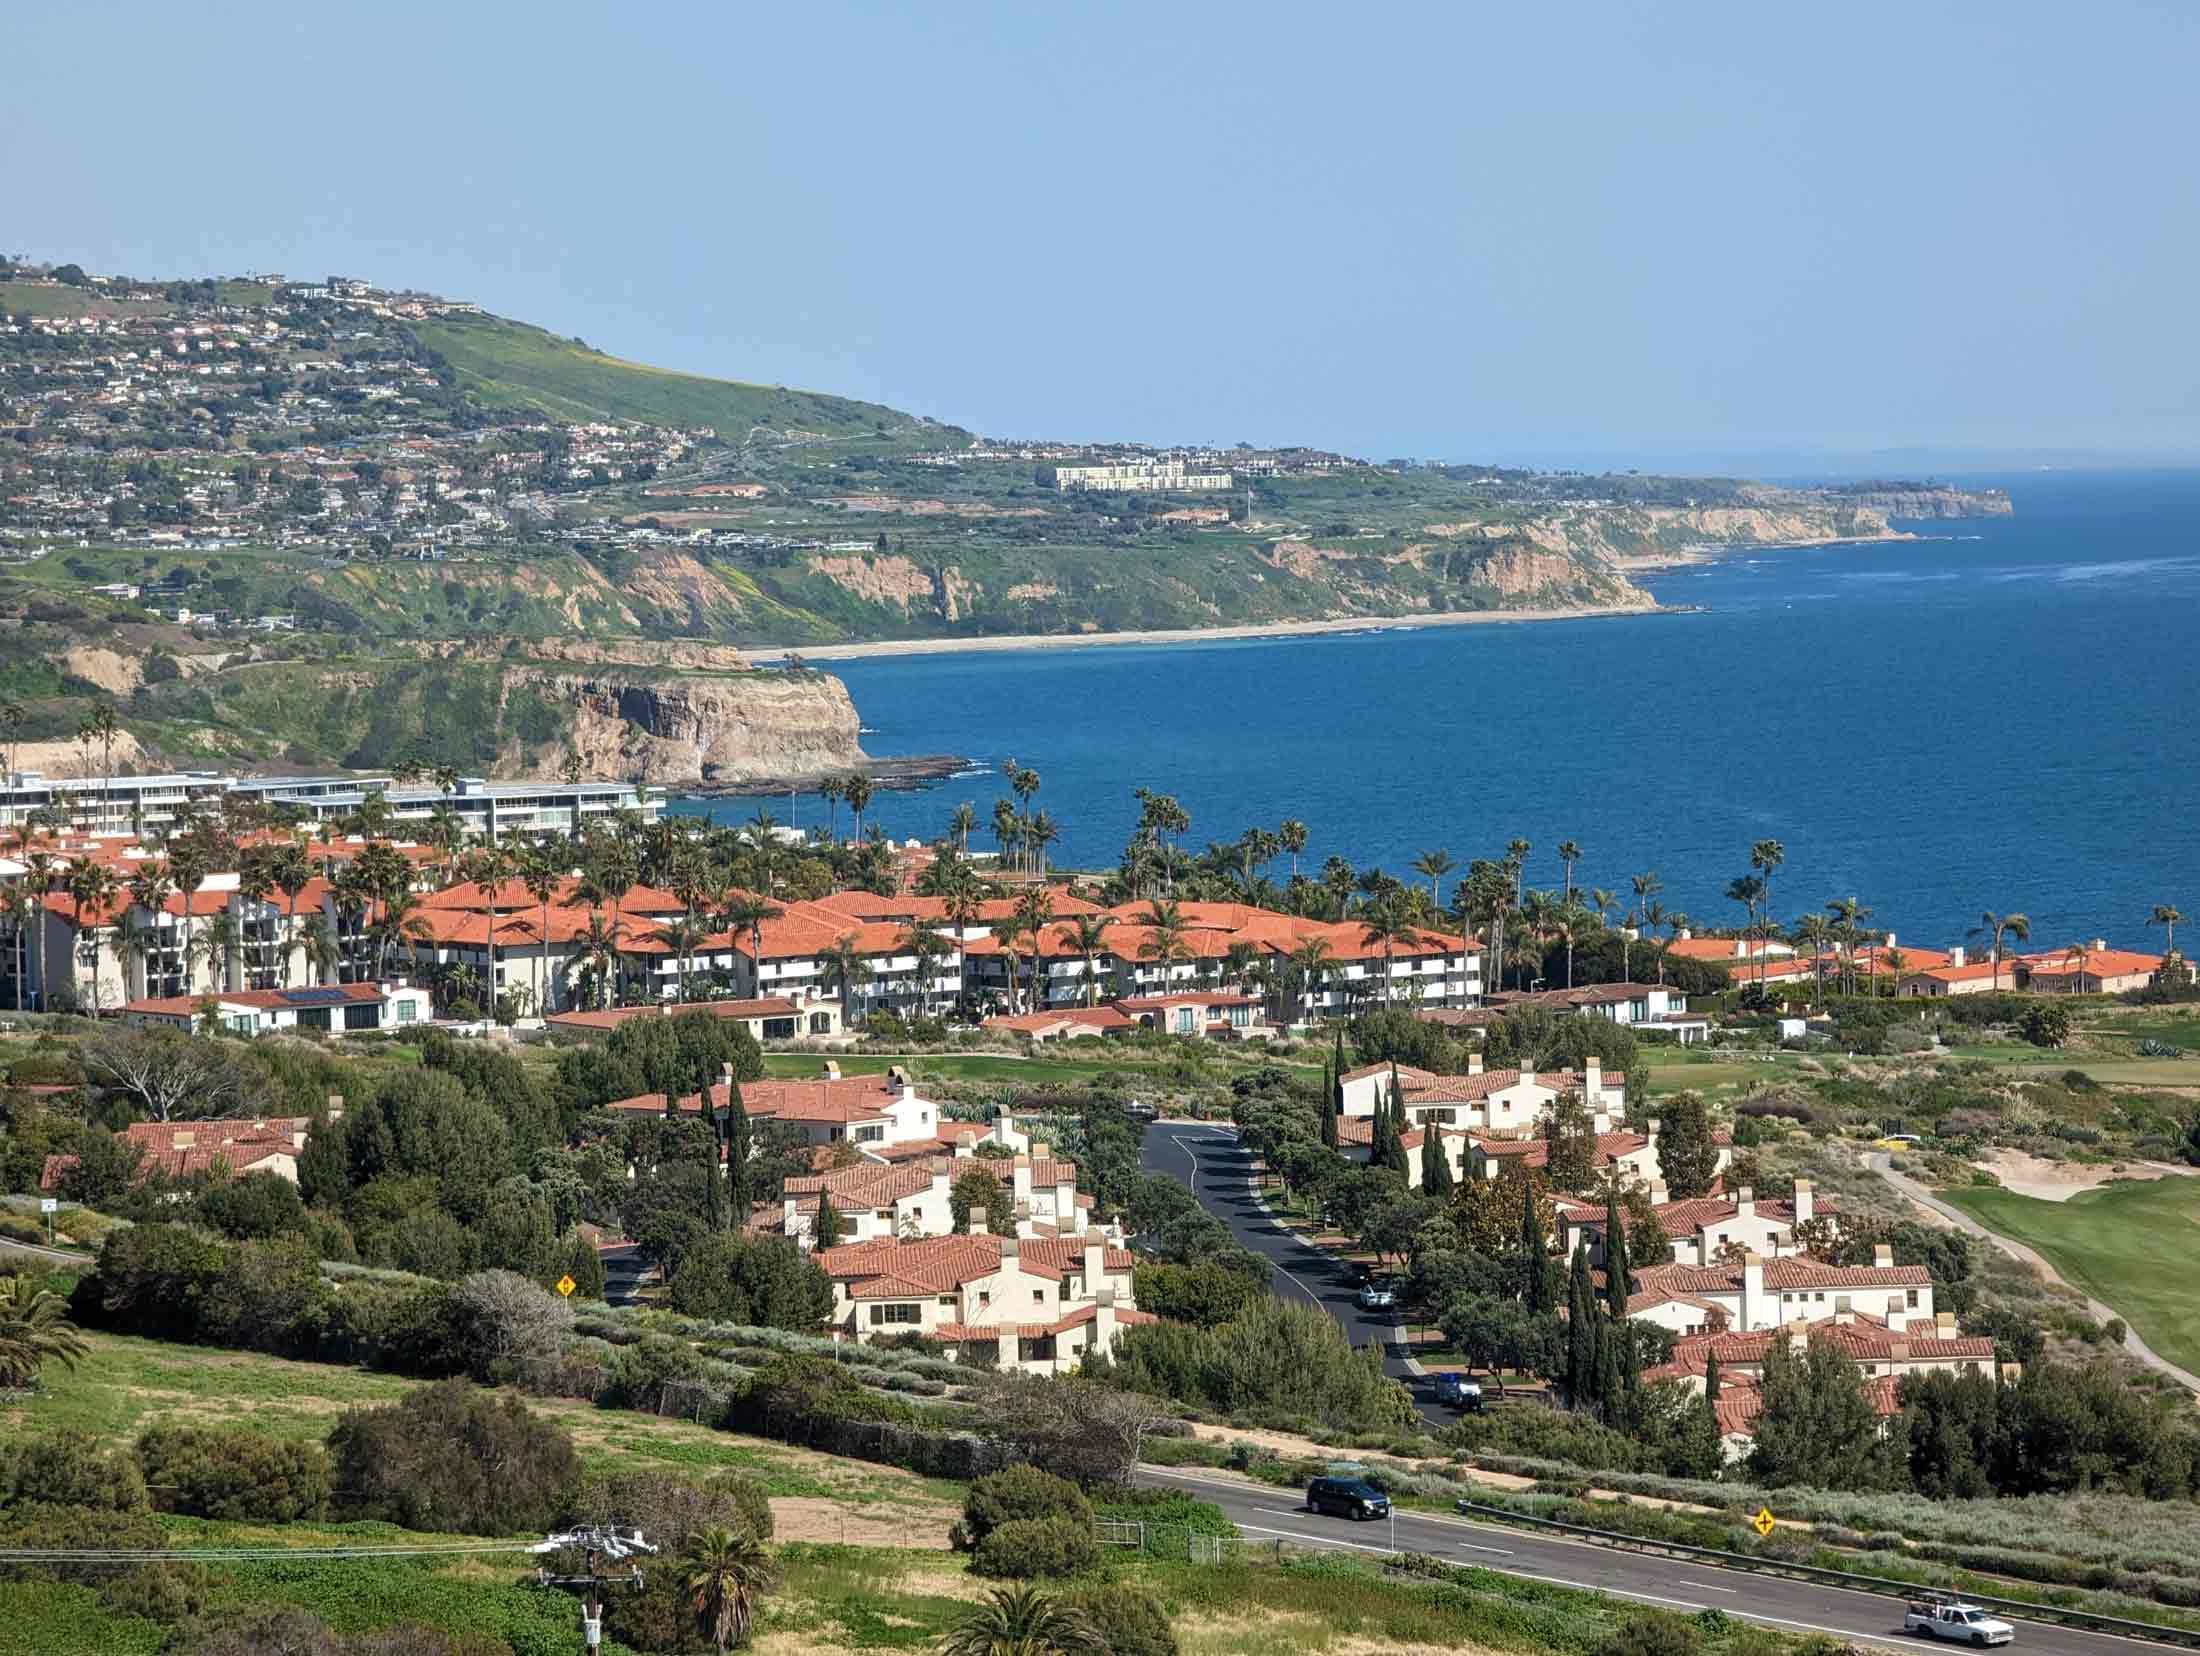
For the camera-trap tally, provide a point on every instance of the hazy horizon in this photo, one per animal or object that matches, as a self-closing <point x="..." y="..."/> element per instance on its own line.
<point x="1446" y="233"/>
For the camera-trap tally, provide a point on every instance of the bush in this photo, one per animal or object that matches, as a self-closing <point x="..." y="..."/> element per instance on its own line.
<point x="226" y="1472"/>
<point x="668" y="1508"/>
<point x="1653" y="1633"/>
<point x="1026" y="1547"/>
<point x="1015" y="1494"/>
<point x="449" y="1457"/>
<point x="1129" y="1620"/>
<point x="69" y="1468"/>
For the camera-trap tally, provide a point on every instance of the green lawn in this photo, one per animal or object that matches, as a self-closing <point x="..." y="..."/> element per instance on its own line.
<point x="2127" y="1244"/>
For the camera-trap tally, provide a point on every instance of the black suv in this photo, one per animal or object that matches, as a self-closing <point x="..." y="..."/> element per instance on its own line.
<point x="1347" y="1497"/>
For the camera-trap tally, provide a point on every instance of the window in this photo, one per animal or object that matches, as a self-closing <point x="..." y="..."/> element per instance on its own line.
<point x="869" y="1135"/>
<point x="896" y="1313"/>
<point x="1913" y="1299"/>
<point x="985" y="1296"/>
<point x="407" y="1011"/>
<point x="240" y="1023"/>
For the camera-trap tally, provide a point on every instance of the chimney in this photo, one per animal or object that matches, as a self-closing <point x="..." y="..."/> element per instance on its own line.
<point x="1944" y="1324"/>
<point x="897" y="1081"/>
<point x="1687" y="933"/>
<point x="1103" y="1321"/>
<point x="1753" y="1292"/>
<point x="1020" y="1180"/>
<point x="941" y="1185"/>
<point x="336" y="1106"/>
<point x="1096" y="1275"/>
<point x="786" y="1215"/>
<point x="1010" y="1249"/>
<point x="1955" y="955"/>
<point x="1802" y="1201"/>
<point x="1527" y="1076"/>
<point x="966" y="1144"/>
<point x="1897" y="1319"/>
<point x="1745" y="1202"/>
<point x="1474" y="1063"/>
<point x="2097" y="945"/>
<point x="1651" y="1127"/>
<point x="1883" y="1256"/>
<point x="1593" y="1078"/>
<point x="1890" y="941"/>
<point x="832" y="1070"/>
<point x="1845" y="1316"/>
<point x="184" y="1141"/>
<point x="1741" y="949"/>
<point x="725" y="1075"/>
<point x="977" y="1222"/>
<point x="1042" y="1152"/>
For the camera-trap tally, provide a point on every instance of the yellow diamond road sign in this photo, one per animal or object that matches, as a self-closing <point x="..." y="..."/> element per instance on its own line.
<point x="566" y="1285"/>
<point x="1764" y="1522"/>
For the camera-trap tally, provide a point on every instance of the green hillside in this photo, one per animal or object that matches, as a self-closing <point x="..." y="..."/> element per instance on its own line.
<point x="511" y="365"/>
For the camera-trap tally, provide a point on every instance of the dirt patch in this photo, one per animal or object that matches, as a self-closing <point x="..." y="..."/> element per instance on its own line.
<point x="811" y="1518"/>
<point x="2054" y="1181"/>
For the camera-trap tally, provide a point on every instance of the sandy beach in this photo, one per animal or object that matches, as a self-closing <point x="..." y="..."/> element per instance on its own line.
<point x="1177" y="635"/>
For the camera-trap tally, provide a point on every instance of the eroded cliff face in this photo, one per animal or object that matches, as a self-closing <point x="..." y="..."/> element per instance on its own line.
<point x="687" y="731"/>
<point x="1933" y="502"/>
<point x="1526" y="573"/>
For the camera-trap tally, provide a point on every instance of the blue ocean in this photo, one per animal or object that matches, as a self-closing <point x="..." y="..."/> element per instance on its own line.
<point x="2000" y="714"/>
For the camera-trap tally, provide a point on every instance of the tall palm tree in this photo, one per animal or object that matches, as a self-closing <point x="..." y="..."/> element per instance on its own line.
<point x="846" y="965"/>
<point x="745" y="911"/>
<point x="1310" y="963"/>
<point x="12" y="716"/>
<point x="101" y="727"/>
<point x="683" y="935"/>
<point x="34" y="1330"/>
<point x="1432" y="866"/>
<point x="961" y="824"/>
<point x="91" y="886"/>
<point x="291" y="871"/>
<point x="927" y="946"/>
<point x="858" y="789"/>
<point x="190" y="862"/>
<point x="616" y="868"/>
<point x="964" y="907"/>
<point x="2083" y="956"/>
<point x="1816" y="933"/>
<point x="1022" y="1621"/>
<point x="1765" y="858"/>
<point x="2169" y="918"/>
<point x="150" y="888"/>
<point x="1291" y="835"/>
<point x="1166" y="944"/>
<point x="1035" y="912"/>
<point x="319" y="947"/>
<point x="832" y="790"/>
<point x="541" y="878"/>
<point x="1569" y="853"/>
<point x="1998" y="926"/>
<point x="1385" y="923"/>
<point x="596" y="949"/>
<point x="1040" y="831"/>
<point x="1849" y="915"/>
<point x="1088" y="935"/>
<point x="725" y="1571"/>
<point x="217" y="946"/>
<point x="1647" y="887"/>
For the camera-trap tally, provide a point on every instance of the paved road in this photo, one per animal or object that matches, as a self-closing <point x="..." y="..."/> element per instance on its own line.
<point x="1924" y="1198"/>
<point x="1263" y="1514"/>
<point x="1206" y="1156"/>
<point x="52" y="1256"/>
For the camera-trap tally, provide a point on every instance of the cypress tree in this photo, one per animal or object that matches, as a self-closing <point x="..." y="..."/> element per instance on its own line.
<point x="1435" y="1163"/>
<point x="828" y="1222"/>
<point x="1329" y="1107"/>
<point x="1581" y="1331"/>
<point x="1540" y="1292"/>
<point x="1394" y="1147"/>
<point x="1612" y="1389"/>
<point x="1619" y="1276"/>
<point x="733" y="1133"/>
<point x="1398" y="1122"/>
<point x="1711" y="1379"/>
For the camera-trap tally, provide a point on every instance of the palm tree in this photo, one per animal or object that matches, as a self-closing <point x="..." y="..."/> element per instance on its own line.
<point x="1997" y="926"/>
<point x="150" y="889"/>
<point x="858" y="789"/>
<point x="12" y="716"/>
<point x="319" y="946"/>
<point x="615" y="870"/>
<point x="91" y="886"/>
<point x="682" y="935"/>
<point x="597" y="951"/>
<point x="1569" y="853"/>
<point x="1167" y="944"/>
<point x="2083" y="956"/>
<point x="2168" y="918"/>
<point x="1386" y="923"/>
<point x="747" y="911"/>
<point x="190" y="862"/>
<point x="832" y="790"/>
<point x="961" y="824"/>
<point x="1647" y="888"/>
<point x="1035" y="912"/>
<point x="725" y="1571"/>
<point x="101" y="727"/>
<point x="1022" y="1621"/>
<point x="541" y="878"/>
<point x="291" y="871"/>
<point x="1291" y="835"/>
<point x="1747" y="890"/>
<point x="1310" y="962"/>
<point x="846" y="965"/>
<point x="1849" y="916"/>
<point x="1816" y="933"/>
<point x="34" y="1329"/>
<point x="1432" y="866"/>
<point x="965" y="907"/>
<point x="1765" y="858"/>
<point x="1089" y="937"/>
<point x="218" y="946"/>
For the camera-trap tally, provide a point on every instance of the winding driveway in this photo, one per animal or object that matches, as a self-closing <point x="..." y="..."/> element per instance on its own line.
<point x="1908" y="1187"/>
<point x="1206" y="1156"/>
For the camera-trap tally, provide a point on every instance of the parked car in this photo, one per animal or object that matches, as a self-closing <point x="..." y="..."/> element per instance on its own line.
<point x="1347" y="1498"/>
<point x="1139" y="1111"/>
<point x="1456" y="1391"/>
<point x="1378" y="1295"/>
<point x="1953" y="1619"/>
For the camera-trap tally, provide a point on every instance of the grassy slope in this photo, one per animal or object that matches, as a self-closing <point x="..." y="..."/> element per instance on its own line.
<point x="2125" y="1244"/>
<point x="511" y="365"/>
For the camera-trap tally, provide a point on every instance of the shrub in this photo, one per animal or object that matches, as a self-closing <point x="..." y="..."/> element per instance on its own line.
<point x="449" y="1457"/>
<point x="69" y="1468"/>
<point x="225" y="1472"/>
<point x="668" y="1508"/>
<point x="1017" y="1493"/>
<point x="1129" y="1620"/>
<point x="1653" y="1633"/>
<point x="1025" y="1547"/>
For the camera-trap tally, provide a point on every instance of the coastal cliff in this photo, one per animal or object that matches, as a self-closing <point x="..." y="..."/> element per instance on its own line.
<point x="687" y="730"/>
<point x="1926" y="500"/>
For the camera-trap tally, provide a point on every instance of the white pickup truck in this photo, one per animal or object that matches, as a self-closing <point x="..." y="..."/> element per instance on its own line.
<point x="1964" y="1623"/>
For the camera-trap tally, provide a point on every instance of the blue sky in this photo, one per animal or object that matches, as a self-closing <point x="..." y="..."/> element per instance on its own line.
<point x="1456" y="230"/>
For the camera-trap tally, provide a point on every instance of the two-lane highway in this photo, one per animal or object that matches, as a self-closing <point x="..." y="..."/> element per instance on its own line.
<point x="1207" y="1157"/>
<point x="1263" y="1514"/>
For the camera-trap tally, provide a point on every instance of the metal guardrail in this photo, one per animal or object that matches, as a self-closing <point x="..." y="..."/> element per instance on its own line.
<point x="2085" y="1621"/>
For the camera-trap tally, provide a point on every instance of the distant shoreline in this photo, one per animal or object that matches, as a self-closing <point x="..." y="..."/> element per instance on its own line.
<point x="1182" y="635"/>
